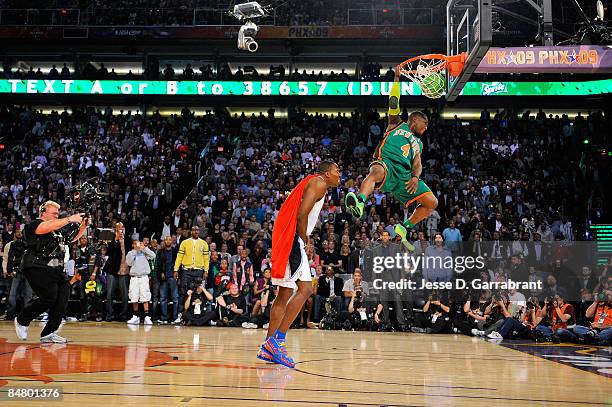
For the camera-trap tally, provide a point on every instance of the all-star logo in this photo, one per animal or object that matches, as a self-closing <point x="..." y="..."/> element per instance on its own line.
<point x="493" y="88"/>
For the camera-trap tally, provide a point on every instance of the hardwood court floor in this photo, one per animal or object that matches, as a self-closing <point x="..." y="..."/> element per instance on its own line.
<point x="109" y="364"/>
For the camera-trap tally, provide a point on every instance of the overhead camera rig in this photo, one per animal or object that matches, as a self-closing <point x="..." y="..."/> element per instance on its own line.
<point x="247" y="12"/>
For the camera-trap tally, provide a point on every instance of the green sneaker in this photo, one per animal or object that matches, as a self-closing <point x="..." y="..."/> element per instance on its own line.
<point x="403" y="232"/>
<point x="353" y="204"/>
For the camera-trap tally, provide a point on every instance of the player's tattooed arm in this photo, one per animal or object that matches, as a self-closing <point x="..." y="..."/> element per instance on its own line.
<point x="417" y="168"/>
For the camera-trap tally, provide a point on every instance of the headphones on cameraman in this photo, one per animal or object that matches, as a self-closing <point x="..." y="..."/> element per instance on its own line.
<point x="43" y="208"/>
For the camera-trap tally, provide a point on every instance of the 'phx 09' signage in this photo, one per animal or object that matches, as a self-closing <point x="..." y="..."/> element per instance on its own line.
<point x="585" y="58"/>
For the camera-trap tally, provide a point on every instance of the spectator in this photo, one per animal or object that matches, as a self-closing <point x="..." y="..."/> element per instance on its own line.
<point x="262" y="284"/>
<point x="232" y="306"/>
<point x="263" y="318"/>
<point x="452" y="238"/>
<point x="329" y="289"/>
<point x="243" y="272"/>
<point x="84" y="255"/>
<point x="95" y="301"/>
<point x="168" y="286"/>
<point x="436" y="266"/>
<point x="116" y="270"/>
<point x="193" y="258"/>
<point x="138" y="261"/>
<point x="331" y="258"/>
<point x="222" y="278"/>
<point x="11" y="263"/>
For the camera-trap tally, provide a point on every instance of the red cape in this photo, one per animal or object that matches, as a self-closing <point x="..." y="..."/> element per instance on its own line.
<point x="285" y="225"/>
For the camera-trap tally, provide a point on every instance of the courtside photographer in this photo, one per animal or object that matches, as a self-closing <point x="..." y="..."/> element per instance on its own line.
<point x="558" y="316"/>
<point x="199" y="306"/>
<point x="356" y="316"/>
<point x="435" y="316"/>
<point x="600" y="312"/>
<point x="522" y="327"/>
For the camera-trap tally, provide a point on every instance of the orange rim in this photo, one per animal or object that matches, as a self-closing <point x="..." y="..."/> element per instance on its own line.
<point x="406" y="67"/>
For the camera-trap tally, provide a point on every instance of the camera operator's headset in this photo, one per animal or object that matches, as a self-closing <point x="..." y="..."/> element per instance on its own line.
<point x="43" y="208"/>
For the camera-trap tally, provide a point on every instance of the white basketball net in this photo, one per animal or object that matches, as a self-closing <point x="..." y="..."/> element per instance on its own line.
<point x="419" y="69"/>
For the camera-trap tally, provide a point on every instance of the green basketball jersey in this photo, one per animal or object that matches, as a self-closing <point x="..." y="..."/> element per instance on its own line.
<point x="399" y="147"/>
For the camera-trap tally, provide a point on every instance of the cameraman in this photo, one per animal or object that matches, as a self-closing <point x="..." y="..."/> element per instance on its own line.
<point x="497" y="312"/>
<point x="560" y="315"/>
<point x="473" y="313"/>
<point x="356" y="315"/>
<point x="524" y="326"/>
<point x="434" y="319"/>
<point x="354" y="284"/>
<point x="196" y="312"/>
<point x="43" y="265"/>
<point x="600" y="331"/>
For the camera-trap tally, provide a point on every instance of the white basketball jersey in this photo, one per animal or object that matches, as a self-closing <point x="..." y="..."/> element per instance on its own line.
<point x="313" y="216"/>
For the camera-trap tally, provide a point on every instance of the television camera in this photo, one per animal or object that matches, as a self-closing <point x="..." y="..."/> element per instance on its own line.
<point x="247" y="12"/>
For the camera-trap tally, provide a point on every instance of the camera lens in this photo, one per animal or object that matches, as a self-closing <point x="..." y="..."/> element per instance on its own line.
<point x="252" y="46"/>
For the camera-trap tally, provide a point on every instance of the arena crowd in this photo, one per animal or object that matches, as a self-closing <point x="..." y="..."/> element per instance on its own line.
<point x="191" y="202"/>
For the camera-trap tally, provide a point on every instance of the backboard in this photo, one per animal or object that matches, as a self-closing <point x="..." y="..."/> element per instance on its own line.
<point x="468" y="29"/>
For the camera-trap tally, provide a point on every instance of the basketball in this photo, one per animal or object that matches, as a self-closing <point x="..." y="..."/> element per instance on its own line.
<point x="433" y="85"/>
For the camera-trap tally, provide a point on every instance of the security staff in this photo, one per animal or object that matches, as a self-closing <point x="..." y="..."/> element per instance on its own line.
<point x="43" y="264"/>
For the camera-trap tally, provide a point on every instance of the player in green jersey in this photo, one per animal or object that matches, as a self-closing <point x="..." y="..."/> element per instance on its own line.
<point x="397" y="167"/>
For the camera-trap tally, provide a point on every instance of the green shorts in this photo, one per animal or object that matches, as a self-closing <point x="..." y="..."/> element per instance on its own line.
<point x="395" y="182"/>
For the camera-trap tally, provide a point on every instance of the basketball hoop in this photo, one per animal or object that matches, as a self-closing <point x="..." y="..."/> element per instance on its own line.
<point x="425" y="70"/>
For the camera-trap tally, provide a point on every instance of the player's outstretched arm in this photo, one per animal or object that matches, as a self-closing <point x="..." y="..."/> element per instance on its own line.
<point x="394" y="97"/>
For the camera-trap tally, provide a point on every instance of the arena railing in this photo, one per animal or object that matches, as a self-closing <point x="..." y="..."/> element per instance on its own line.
<point x="100" y="16"/>
<point x="63" y="16"/>
<point x="388" y="16"/>
<point x="210" y="16"/>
